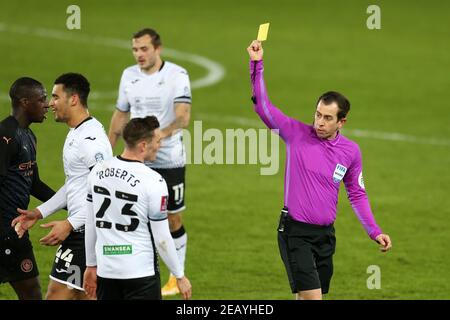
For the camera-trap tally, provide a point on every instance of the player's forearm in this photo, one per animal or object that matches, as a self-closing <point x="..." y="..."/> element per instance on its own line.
<point x="41" y="191"/>
<point x="90" y="235"/>
<point x="113" y="137"/>
<point x="55" y="203"/>
<point x="77" y="220"/>
<point x="166" y="247"/>
<point x="118" y="122"/>
<point x="180" y="122"/>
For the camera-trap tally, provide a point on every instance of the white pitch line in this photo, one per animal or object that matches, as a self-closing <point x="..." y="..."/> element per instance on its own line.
<point x="378" y="135"/>
<point x="394" y="136"/>
<point x="215" y="71"/>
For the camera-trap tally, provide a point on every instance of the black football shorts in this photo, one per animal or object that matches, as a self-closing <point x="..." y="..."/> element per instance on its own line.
<point x="175" y="179"/>
<point x="146" y="288"/>
<point x="307" y="252"/>
<point x="70" y="261"/>
<point x="17" y="261"/>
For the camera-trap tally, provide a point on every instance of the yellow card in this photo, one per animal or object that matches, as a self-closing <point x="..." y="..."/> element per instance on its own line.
<point x="263" y="31"/>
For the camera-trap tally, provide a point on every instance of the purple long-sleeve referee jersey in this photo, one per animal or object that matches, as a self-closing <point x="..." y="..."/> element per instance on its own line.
<point x="314" y="166"/>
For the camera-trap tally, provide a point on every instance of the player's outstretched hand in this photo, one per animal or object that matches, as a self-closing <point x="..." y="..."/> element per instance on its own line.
<point x="385" y="242"/>
<point x="185" y="287"/>
<point x="255" y="50"/>
<point x="60" y="231"/>
<point x="25" y="221"/>
<point x="90" y="282"/>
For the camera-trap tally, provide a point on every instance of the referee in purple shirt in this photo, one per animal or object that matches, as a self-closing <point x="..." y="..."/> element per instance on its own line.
<point x="318" y="158"/>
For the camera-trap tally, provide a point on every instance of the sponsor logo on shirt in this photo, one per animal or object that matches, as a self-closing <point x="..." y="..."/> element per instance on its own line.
<point x="339" y="173"/>
<point x="117" y="249"/>
<point x="7" y="139"/>
<point x="27" y="168"/>
<point x="26" y="165"/>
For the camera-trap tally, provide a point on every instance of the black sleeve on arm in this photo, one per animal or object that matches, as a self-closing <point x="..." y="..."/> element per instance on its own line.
<point x="39" y="189"/>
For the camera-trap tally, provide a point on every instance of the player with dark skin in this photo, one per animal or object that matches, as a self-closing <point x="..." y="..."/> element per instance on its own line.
<point x="29" y="105"/>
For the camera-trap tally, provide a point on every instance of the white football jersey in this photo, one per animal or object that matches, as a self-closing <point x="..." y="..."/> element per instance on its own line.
<point x="155" y="95"/>
<point x="126" y="195"/>
<point x="85" y="145"/>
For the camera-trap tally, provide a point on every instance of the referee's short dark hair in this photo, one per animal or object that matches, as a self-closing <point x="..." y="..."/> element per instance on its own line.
<point x="75" y="83"/>
<point x="156" y="39"/>
<point x="138" y="129"/>
<point x="21" y="88"/>
<point x="342" y="102"/>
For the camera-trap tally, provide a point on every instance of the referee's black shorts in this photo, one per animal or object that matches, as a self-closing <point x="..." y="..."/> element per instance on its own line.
<point x="307" y="252"/>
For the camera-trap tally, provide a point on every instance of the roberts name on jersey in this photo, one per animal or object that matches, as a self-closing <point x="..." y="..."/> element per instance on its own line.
<point x="125" y="196"/>
<point x="118" y="173"/>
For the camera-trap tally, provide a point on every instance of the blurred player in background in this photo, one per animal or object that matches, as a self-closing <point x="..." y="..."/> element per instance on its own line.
<point x="127" y="221"/>
<point x="19" y="178"/>
<point x="159" y="88"/>
<point x="85" y="145"/>
<point x="318" y="158"/>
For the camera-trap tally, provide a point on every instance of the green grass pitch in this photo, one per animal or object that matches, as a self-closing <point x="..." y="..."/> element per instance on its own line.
<point x="396" y="78"/>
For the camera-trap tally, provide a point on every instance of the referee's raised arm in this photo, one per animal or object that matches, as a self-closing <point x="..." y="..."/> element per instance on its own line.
<point x="269" y="114"/>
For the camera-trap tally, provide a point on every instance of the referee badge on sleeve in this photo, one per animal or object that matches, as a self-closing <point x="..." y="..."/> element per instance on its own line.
<point x="339" y="173"/>
<point x="361" y="181"/>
